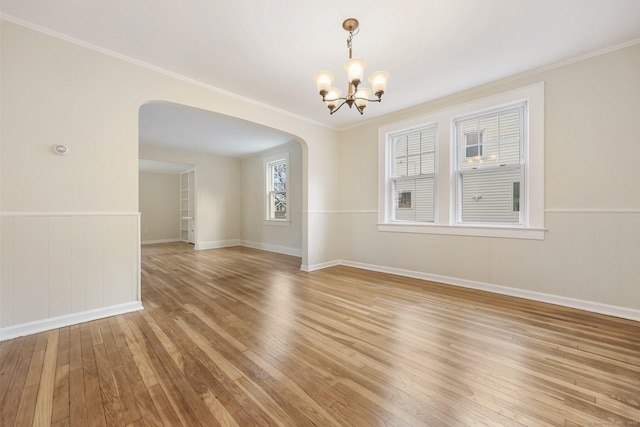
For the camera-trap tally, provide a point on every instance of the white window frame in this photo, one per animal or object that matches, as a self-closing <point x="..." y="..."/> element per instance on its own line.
<point x="532" y="209"/>
<point x="459" y="149"/>
<point x="268" y="162"/>
<point x="394" y="180"/>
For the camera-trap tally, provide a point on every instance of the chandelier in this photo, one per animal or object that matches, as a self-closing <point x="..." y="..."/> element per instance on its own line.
<point x="354" y="67"/>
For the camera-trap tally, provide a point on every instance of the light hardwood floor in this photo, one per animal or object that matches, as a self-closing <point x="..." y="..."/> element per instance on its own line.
<point x="241" y="337"/>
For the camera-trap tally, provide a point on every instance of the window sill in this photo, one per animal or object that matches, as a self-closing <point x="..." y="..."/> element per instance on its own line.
<point x="278" y="222"/>
<point x="466" y="230"/>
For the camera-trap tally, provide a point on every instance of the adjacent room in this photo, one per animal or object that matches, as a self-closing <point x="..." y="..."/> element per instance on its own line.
<point x="354" y="213"/>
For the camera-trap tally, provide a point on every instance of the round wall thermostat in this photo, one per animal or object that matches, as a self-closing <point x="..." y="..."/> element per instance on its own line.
<point x="60" y="149"/>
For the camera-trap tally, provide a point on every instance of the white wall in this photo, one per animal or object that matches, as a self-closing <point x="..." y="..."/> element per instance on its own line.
<point x="255" y="233"/>
<point x="590" y="254"/>
<point x="218" y="199"/>
<point x="159" y="206"/>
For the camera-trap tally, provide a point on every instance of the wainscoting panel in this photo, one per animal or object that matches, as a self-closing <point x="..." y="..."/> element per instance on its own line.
<point x="61" y="265"/>
<point x="30" y="269"/>
<point x="6" y="271"/>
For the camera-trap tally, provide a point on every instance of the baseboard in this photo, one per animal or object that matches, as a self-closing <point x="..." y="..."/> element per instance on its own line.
<point x="594" y="307"/>
<point x="23" y="329"/>
<point x="314" y="267"/>
<point x="273" y="248"/>
<point x="217" y="244"/>
<point x="153" y="242"/>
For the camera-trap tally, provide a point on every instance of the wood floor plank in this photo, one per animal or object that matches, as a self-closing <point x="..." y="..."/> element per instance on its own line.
<point x="47" y="382"/>
<point x="166" y="410"/>
<point x="95" y="411"/>
<point x="60" y="410"/>
<point x="10" y="355"/>
<point x="27" y="406"/>
<point x="242" y="337"/>
<point x="10" y="400"/>
<point x="183" y="397"/>
<point x="111" y="404"/>
<point x="137" y="388"/>
<point x="77" y="401"/>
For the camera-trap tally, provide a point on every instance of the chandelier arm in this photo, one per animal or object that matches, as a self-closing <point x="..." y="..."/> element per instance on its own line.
<point x="340" y="106"/>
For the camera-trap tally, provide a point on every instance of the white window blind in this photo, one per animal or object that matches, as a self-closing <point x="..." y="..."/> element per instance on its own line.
<point x="490" y="166"/>
<point x="413" y="174"/>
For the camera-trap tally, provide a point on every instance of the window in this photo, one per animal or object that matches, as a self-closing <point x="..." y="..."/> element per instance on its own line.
<point x="474" y="144"/>
<point x="476" y="169"/>
<point x="276" y="194"/>
<point x="485" y="179"/>
<point x="413" y="175"/>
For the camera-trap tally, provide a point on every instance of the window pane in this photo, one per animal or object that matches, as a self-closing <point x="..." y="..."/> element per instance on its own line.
<point x="468" y="127"/>
<point x="413" y="165"/>
<point x="428" y="151"/>
<point x="510" y="137"/>
<point x="400" y="156"/>
<point x="413" y="144"/>
<point x="428" y="163"/>
<point x="510" y="125"/>
<point x="400" y="167"/>
<point x="279" y="176"/>
<point x="472" y="151"/>
<point x="488" y="196"/>
<point x="401" y="146"/>
<point x="490" y="155"/>
<point x="414" y="153"/>
<point x="488" y="126"/>
<point x="516" y="196"/>
<point x="278" y="205"/>
<point x="490" y="140"/>
<point x="276" y="172"/>
<point x="415" y="200"/>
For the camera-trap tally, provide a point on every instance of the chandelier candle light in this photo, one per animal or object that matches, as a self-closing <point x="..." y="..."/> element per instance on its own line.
<point x="355" y="70"/>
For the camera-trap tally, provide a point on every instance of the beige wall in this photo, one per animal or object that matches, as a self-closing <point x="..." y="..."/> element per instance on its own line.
<point x="57" y="92"/>
<point x="159" y="206"/>
<point x="218" y="200"/>
<point x="592" y="245"/>
<point x="255" y="233"/>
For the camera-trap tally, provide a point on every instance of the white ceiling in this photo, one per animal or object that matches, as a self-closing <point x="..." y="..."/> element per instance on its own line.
<point x="269" y="50"/>
<point x="163" y="124"/>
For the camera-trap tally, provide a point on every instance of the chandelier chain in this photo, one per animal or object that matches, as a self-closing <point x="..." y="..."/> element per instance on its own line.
<point x="350" y="40"/>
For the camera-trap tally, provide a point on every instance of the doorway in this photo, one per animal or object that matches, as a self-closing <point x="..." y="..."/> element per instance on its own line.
<point x="167" y="202"/>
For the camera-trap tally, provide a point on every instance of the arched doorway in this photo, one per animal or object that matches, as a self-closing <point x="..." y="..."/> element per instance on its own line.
<point x="228" y="155"/>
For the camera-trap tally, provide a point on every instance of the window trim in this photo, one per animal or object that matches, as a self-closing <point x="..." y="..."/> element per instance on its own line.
<point x="532" y="208"/>
<point x="267" y="164"/>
